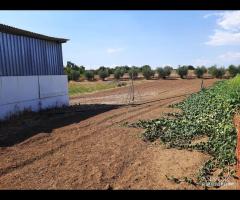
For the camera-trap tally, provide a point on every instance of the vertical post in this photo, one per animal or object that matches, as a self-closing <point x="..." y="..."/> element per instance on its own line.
<point x="202" y="85"/>
<point x="132" y="88"/>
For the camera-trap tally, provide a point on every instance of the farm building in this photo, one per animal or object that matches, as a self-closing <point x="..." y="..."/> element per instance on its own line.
<point x="31" y="71"/>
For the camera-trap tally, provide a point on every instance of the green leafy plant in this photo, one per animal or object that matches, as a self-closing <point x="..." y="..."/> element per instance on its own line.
<point x="208" y="113"/>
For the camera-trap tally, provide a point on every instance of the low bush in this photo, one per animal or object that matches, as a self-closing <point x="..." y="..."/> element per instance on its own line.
<point x="164" y="72"/>
<point x="89" y="75"/>
<point x="199" y="71"/>
<point x="75" y="75"/>
<point x="147" y="72"/>
<point x="103" y="74"/>
<point x="182" y="71"/>
<point x="133" y="73"/>
<point x="217" y="72"/>
<point x="233" y="70"/>
<point x="118" y="74"/>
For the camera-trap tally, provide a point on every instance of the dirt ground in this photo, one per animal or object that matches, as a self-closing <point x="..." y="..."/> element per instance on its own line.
<point x="92" y="148"/>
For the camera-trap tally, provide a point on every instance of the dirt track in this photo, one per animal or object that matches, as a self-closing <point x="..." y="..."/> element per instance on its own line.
<point x="93" y="149"/>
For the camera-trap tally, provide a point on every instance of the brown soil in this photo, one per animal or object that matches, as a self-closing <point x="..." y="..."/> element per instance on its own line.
<point x="93" y="149"/>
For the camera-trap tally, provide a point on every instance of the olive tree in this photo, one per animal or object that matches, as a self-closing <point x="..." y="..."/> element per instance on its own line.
<point x="233" y="70"/>
<point x="164" y="72"/>
<point x="133" y="73"/>
<point x="89" y="75"/>
<point x="199" y="71"/>
<point x="103" y="73"/>
<point x="182" y="71"/>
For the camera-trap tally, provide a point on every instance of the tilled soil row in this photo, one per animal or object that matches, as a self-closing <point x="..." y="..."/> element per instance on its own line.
<point x="102" y="125"/>
<point x="99" y="152"/>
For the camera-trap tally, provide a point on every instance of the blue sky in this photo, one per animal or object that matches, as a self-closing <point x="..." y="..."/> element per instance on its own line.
<point x="157" y="38"/>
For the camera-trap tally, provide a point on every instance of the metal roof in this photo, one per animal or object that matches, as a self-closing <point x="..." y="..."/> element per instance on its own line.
<point x="17" y="31"/>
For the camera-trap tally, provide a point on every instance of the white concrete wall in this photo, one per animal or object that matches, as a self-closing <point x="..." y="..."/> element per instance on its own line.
<point x="19" y="93"/>
<point x="52" y="86"/>
<point x="14" y="89"/>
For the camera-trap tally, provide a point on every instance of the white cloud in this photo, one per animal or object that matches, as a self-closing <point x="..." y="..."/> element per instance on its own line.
<point x="230" y="20"/>
<point x="211" y="14"/>
<point x="114" y="50"/>
<point x="224" y="38"/>
<point x="223" y="59"/>
<point x="230" y="56"/>
<point x="228" y="32"/>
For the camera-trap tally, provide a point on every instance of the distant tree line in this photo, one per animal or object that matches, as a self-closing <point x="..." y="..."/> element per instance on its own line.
<point x="74" y="72"/>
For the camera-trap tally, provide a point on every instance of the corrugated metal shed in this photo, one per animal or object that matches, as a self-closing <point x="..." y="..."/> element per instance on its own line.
<point x="17" y="31"/>
<point x="24" y="53"/>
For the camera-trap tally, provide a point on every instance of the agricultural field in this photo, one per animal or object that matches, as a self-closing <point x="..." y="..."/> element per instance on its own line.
<point x="204" y="123"/>
<point x="77" y="88"/>
<point x="101" y="142"/>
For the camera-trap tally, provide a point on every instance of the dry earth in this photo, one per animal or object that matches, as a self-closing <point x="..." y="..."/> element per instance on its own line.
<point x="93" y="149"/>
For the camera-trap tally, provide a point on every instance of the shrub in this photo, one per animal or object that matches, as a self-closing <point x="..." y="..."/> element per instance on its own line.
<point x="204" y="69"/>
<point x="161" y="72"/>
<point x="133" y="73"/>
<point x="199" y="71"/>
<point x="220" y="72"/>
<point x="125" y="68"/>
<point x="75" y="75"/>
<point x="212" y="70"/>
<point x="89" y="75"/>
<point x="233" y="70"/>
<point x="190" y="67"/>
<point x="168" y="70"/>
<point x="144" y="67"/>
<point x="117" y="74"/>
<point x="216" y="72"/>
<point x="121" y="70"/>
<point x="103" y="74"/>
<point x="164" y="72"/>
<point x="147" y="72"/>
<point x="110" y="70"/>
<point x="182" y="71"/>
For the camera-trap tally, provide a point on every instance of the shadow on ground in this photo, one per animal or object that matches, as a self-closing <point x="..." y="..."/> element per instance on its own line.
<point x="28" y="124"/>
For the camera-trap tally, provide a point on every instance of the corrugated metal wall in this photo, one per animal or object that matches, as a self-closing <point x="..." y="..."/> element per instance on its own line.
<point x="25" y="56"/>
